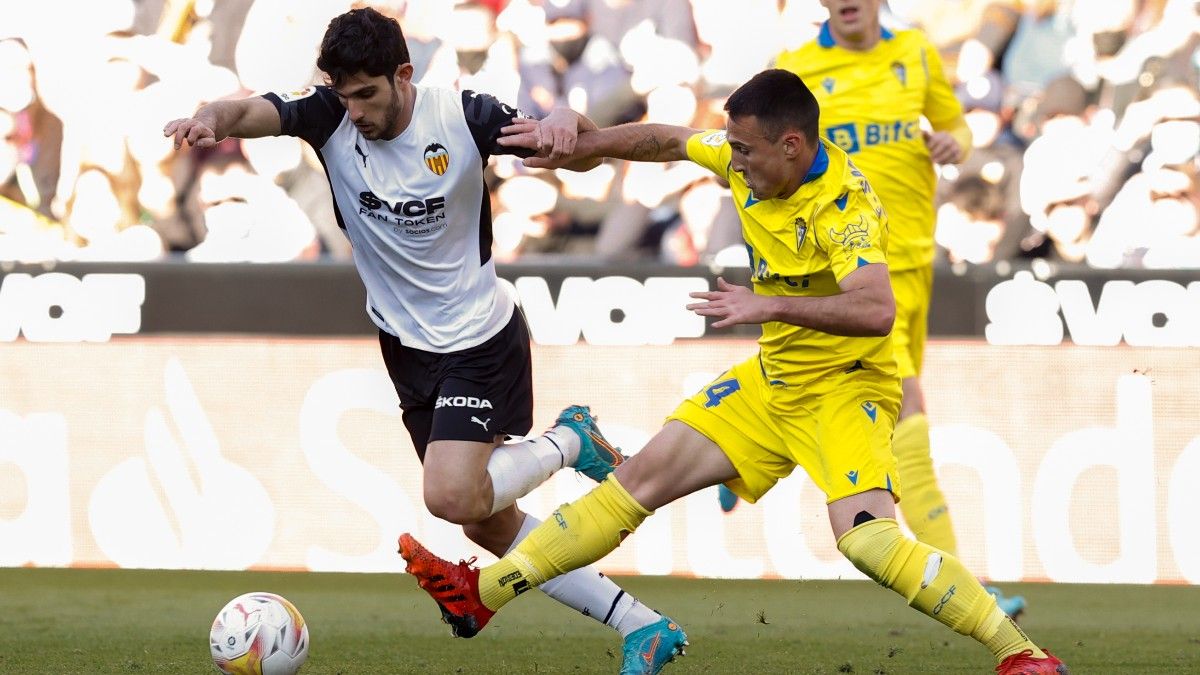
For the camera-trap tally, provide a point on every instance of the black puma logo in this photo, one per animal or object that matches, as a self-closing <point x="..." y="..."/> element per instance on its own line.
<point x="363" y="154"/>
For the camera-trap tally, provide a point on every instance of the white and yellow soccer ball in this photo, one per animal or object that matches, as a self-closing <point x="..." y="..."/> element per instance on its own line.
<point x="260" y="634"/>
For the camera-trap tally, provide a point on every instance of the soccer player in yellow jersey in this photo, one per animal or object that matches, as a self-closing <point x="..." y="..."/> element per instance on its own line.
<point x="873" y="86"/>
<point x="821" y="393"/>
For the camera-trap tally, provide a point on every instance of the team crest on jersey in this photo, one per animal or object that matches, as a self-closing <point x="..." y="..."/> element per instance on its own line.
<point x="716" y="139"/>
<point x="290" y="96"/>
<point x="853" y="235"/>
<point x="437" y="158"/>
<point x="900" y="72"/>
<point x="801" y="232"/>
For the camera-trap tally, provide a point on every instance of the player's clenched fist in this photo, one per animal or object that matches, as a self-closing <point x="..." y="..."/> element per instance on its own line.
<point x="197" y="132"/>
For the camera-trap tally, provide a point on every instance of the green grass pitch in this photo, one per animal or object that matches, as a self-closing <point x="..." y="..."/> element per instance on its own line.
<point x="134" y="621"/>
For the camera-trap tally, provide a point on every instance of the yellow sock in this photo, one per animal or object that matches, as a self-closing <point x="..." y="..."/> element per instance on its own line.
<point x="1010" y="639"/>
<point x="922" y="503"/>
<point x="577" y="534"/>
<point x="933" y="582"/>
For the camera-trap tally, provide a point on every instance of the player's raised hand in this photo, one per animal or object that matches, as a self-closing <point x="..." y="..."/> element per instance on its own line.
<point x="196" y="132"/>
<point x="558" y="133"/>
<point x="522" y="133"/>
<point x="528" y="134"/>
<point x="731" y="304"/>
<point x="551" y="139"/>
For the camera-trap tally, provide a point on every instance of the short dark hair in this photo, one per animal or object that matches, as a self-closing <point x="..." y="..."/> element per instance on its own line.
<point x="978" y="198"/>
<point x="362" y="41"/>
<point x="780" y="100"/>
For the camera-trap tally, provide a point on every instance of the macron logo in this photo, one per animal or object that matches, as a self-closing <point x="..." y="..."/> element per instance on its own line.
<point x="870" y="408"/>
<point x="853" y="476"/>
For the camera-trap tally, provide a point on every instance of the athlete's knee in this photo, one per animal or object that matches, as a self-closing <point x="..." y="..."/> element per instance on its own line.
<point x="863" y="517"/>
<point x="856" y="543"/>
<point x="457" y="512"/>
<point x="461" y="506"/>
<point x="873" y="545"/>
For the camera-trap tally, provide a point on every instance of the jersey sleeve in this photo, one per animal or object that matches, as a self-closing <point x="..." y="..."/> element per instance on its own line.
<point x="856" y="236"/>
<point x="312" y="113"/>
<point x="942" y="107"/>
<point x="710" y="150"/>
<point x="485" y="117"/>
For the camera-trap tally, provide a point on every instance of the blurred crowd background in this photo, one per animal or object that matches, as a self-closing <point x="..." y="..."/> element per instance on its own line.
<point x="1085" y="116"/>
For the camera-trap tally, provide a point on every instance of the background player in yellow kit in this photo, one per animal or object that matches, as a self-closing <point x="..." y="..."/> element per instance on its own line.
<point x="873" y="86"/>
<point x="821" y="393"/>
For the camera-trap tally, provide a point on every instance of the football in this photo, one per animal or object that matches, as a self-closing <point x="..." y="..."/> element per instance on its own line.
<point x="259" y="633"/>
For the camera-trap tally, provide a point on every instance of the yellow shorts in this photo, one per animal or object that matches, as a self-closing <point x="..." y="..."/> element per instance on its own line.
<point x="913" y="290"/>
<point x="837" y="427"/>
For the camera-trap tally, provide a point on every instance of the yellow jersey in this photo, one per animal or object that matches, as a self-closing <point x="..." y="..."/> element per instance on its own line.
<point x="803" y="246"/>
<point x="871" y="105"/>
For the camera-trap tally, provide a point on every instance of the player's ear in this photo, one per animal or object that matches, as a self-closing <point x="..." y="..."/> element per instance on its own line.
<point x="793" y="144"/>
<point x="404" y="73"/>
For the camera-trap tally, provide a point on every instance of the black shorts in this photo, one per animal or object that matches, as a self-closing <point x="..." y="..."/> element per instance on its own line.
<point x="470" y="395"/>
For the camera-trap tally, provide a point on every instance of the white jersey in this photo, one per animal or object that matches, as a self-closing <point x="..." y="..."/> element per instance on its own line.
<point x="416" y="211"/>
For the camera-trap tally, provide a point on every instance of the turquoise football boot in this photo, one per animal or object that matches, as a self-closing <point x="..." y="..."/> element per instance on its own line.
<point x="649" y="648"/>
<point x="597" y="457"/>
<point x="726" y="498"/>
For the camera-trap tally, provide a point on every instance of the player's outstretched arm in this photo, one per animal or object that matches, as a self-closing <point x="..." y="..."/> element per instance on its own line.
<point x="553" y="137"/>
<point x="214" y="122"/>
<point x="637" y="142"/>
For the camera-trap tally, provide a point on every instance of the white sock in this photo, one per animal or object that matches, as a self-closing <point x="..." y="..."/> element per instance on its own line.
<point x="517" y="468"/>
<point x="592" y="594"/>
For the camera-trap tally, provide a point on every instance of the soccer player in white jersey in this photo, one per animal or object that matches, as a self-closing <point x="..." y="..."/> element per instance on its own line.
<point x="405" y="166"/>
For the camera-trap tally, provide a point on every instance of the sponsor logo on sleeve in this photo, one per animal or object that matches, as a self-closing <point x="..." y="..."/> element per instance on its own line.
<point x="853" y="236"/>
<point x="288" y="97"/>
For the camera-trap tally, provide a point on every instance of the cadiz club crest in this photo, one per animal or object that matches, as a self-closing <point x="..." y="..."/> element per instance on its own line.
<point x="437" y="158"/>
